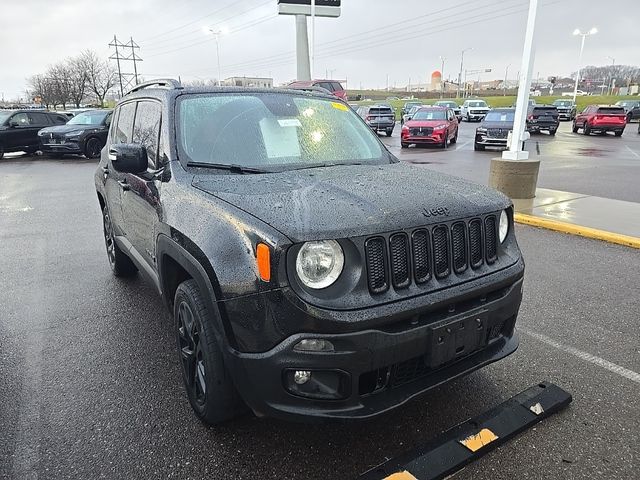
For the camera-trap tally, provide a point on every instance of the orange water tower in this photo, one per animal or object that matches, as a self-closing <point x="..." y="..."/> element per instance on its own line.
<point x="436" y="81"/>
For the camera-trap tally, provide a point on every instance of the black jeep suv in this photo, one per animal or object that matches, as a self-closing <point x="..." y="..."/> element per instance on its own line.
<point x="543" y="117"/>
<point x="19" y="129"/>
<point x="84" y="134"/>
<point x="309" y="273"/>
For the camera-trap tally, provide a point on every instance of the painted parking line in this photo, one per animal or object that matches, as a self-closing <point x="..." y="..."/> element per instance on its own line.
<point x="634" y="153"/>
<point x="587" y="357"/>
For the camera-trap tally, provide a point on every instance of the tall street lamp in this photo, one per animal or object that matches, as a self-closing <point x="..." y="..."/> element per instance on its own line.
<point x="577" y="31"/>
<point x="217" y="33"/>
<point x="461" y="67"/>
<point x="613" y="64"/>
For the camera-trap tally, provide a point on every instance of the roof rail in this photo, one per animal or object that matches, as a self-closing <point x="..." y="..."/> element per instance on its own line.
<point x="169" y="83"/>
<point x="309" y="89"/>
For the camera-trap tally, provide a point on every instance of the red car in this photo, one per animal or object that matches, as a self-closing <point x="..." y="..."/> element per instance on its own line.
<point x="430" y="125"/>
<point x="332" y="86"/>
<point x="601" y="119"/>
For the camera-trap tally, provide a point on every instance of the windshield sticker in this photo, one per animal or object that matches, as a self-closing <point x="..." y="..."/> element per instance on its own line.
<point x="279" y="141"/>
<point x="289" y="122"/>
<point x="340" y="106"/>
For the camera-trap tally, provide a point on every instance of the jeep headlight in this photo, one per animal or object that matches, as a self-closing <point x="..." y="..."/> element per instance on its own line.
<point x="503" y="229"/>
<point x="319" y="264"/>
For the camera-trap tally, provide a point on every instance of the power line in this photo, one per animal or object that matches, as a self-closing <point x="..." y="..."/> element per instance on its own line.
<point x="125" y="80"/>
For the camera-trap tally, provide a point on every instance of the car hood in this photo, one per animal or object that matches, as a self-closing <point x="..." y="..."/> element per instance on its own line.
<point x="424" y="123"/>
<point x="69" y="128"/>
<point x="478" y="108"/>
<point x="350" y="201"/>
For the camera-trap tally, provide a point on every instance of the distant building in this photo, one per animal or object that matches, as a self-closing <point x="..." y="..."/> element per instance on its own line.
<point x="248" y="82"/>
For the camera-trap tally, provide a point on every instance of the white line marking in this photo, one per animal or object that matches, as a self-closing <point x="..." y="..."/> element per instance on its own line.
<point x="636" y="155"/>
<point x="460" y="147"/>
<point x="587" y="357"/>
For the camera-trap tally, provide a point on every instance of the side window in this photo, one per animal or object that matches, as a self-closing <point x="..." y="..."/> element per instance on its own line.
<point x="38" y="119"/>
<point x="107" y="120"/>
<point x="21" y="119"/>
<point x="124" y="128"/>
<point x="146" y="129"/>
<point x="326" y="85"/>
<point x="336" y="86"/>
<point x="60" y="119"/>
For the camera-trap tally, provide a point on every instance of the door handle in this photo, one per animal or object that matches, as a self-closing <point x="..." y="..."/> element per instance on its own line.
<point x="125" y="186"/>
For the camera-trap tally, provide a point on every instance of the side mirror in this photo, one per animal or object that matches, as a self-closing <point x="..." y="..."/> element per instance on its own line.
<point x="129" y="157"/>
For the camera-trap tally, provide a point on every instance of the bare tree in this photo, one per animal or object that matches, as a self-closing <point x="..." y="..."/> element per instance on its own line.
<point x="623" y="74"/>
<point x="101" y="75"/>
<point x="58" y="75"/>
<point x="78" y="80"/>
<point x="41" y="86"/>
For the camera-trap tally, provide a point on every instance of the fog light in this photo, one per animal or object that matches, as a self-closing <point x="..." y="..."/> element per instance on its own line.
<point x="314" y="345"/>
<point x="301" y="376"/>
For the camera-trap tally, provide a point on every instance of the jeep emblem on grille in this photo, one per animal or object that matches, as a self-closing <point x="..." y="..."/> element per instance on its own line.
<point x="435" y="212"/>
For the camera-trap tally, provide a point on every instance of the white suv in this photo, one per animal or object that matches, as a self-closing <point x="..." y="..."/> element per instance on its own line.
<point x="474" y="110"/>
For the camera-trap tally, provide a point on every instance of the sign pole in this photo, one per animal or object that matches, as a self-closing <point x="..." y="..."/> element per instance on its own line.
<point x="302" y="49"/>
<point x="313" y="39"/>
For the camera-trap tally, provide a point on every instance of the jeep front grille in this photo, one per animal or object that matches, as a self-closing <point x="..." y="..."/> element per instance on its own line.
<point x="419" y="256"/>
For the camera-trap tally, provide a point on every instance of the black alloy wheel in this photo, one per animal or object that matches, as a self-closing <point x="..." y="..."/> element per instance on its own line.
<point x="92" y="148"/>
<point x="208" y="384"/>
<point x="191" y="354"/>
<point x="455" y="137"/>
<point x="120" y="264"/>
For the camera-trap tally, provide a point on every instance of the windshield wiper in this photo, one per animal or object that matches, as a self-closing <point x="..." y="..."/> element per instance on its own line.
<point x="320" y="165"/>
<point x="227" y="166"/>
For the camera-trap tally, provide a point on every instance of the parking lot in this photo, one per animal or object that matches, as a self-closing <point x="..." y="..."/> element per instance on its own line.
<point x="599" y="165"/>
<point x="92" y="383"/>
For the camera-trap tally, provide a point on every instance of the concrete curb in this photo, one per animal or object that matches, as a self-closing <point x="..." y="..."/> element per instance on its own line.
<point x="572" y="229"/>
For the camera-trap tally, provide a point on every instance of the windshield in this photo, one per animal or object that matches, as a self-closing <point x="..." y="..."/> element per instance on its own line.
<point x="562" y="103"/>
<point x="273" y="131"/>
<point x="624" y="104"/>
<point x="481" y="103"/>
<point x="447" y="104"/>
<point x="4" y="116"/>
<point x="89" y="118"/>
<point x="430" y="115"/>
<point x="611" y="111"/>
<point x="498" y="116"/>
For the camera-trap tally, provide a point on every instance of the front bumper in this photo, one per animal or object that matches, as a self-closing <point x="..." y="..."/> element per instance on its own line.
<point x="565" y="115"/>
<point x="435" y="137"/>
<point x="379" y="368"/>
<point x="69" y="146"/>
<point x="490" y="142"/>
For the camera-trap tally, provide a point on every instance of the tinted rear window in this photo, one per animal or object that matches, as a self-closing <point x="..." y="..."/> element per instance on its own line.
<point x="611" y="111"/>
<point x="380" y="111"/>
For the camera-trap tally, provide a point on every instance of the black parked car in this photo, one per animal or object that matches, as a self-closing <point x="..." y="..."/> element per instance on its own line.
<point x="381" y="118"/>
<point x="19" y="129"/>
<point x="566" y="109"/>
<point x="409" y="105"/>
<point x="309" y="272"/>
<point x="494" y="129"/>
<point x="631" y="108"/>
<point x="85" y="134"/>
<point x="452" y="105"/>
<point x="543" y="118"/>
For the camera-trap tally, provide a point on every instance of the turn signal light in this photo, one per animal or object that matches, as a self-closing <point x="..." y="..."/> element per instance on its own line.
<point x="263" y="257"/>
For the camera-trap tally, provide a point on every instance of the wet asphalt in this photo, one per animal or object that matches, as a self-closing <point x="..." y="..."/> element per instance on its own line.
<point x="90" y="385"/>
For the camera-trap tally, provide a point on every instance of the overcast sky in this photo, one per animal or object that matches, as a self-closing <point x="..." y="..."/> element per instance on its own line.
<point x="372" y="38"/>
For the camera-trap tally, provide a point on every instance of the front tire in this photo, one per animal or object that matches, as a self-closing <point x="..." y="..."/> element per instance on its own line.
<point x="406" y="145"/>
<point x="389" y="132"/>
<point x="445" y="141"/>
<point x="618" y="133"/>
<point x="478" y="148"/>
<point x="92" y="148"/>
<point x="552" y="132"/>
<point x="121" y="265"/>
<point x="574" y="128"/>
<point x="455" y="137"/>
<point x="586" y="129"/>
<point x="209" y="386"/>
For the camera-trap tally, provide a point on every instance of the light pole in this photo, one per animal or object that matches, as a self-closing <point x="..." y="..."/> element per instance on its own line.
<point x="504" y="84"/>
<point x="613" y="64"/>
<point x="217" y="33"/>
<point x="461" y="67"/>
<point x="442" y="80"/>
<point x="577" y="31"/>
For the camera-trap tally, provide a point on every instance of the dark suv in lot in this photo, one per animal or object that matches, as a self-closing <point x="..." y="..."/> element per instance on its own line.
<point x="543" y="117"/>
<point x="19" y="129"/>
<point x="84" y="134"/>
<point x="309" y="273"/>
<point x="380" y="118"/>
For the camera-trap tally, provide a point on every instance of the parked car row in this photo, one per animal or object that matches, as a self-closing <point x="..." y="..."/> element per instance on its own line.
<point x="54" y="133"/>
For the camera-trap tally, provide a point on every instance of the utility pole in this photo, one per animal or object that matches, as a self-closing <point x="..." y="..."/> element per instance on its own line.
<point x="125" y="80"/>
<point x="504" y="84"/>
<point x="442" y="80"/>
<point x="577" y="31"/>
<point x="610" y="86"/>
<point x="460" y="72"/>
